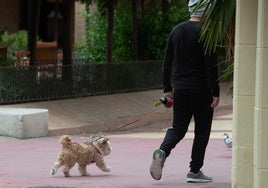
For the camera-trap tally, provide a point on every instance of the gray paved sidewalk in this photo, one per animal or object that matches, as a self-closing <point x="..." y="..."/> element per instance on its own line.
<point x="108" y="112"/>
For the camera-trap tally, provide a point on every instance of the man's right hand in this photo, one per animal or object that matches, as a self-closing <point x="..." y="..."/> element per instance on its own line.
<point x="169" y="95"/>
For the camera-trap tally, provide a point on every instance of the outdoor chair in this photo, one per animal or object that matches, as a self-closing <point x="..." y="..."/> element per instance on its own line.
<point x="46" y="53"/>
<point x="22" y="58"/>
<point x="46" y="58"/>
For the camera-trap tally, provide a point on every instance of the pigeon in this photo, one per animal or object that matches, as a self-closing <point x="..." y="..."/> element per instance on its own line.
<point x="227" y="140"/>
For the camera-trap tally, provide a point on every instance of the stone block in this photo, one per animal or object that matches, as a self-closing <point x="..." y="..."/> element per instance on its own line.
<point x="23" y="123"/>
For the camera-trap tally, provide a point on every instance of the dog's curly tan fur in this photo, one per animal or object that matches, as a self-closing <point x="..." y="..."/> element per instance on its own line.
<point x="83" y="154"/>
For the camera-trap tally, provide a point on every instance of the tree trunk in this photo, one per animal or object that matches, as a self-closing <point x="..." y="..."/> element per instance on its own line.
<point x="165" y="8"/>
<point x="56" y="20"/>
<point x="87" y="6"/>
<point x="67" y="23"/>
<point x="109" y="35"/>
<point x="142" y="6"/>
<point x="67" y="71"/>
<point x="33" y="24"/>
<point x="134" y="31"/>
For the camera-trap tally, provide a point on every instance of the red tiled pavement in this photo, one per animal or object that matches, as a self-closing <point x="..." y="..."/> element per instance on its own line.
<point x="27" y="163"/>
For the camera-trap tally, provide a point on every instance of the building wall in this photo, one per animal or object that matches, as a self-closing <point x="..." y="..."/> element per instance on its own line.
<point x="250" y="152"/>
<point x="261" y="100"/>
<point x="244" y="93"/>
<point x="9" y="15"/>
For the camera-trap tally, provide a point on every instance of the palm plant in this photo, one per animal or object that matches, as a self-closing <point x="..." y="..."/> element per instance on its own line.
<point x="219" y="31"/>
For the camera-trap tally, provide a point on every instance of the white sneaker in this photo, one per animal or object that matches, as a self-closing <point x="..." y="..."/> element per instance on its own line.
<point x="157" y="164"/>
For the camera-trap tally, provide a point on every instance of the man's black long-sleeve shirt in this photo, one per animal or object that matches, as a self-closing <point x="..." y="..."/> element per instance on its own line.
<point x="192" y="68"/>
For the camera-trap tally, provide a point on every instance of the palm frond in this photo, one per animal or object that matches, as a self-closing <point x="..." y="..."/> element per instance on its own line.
<point x="218" y="27"/>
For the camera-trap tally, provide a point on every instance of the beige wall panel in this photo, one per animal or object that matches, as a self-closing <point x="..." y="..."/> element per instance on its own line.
<point x="263" y="24"/>
<point x="262" y="78"/>
<point x="244" y="93"/>
<point x="243" y="121"/>
<point x="244" y="69"/>
<point x="242" y="171"/>
<point x="261" y="139"/>
<point x="246" y="18"/>
<point x="260" y="178"/>
<point x="261" y="101"/>
<point x="258" y="79"/>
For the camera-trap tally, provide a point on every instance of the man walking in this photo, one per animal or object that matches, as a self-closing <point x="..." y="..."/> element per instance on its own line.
<point x="194" y="91"/>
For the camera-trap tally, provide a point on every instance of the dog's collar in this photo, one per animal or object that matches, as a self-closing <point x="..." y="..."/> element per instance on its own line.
<point x="97" y="146"/>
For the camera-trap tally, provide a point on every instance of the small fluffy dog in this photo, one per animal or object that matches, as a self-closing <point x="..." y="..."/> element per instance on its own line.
<point x="83" y="154"/>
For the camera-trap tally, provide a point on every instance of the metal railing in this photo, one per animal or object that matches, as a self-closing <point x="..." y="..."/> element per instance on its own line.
<point x="26" y="84"/>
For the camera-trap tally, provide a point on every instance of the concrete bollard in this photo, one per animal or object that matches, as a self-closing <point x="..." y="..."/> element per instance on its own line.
<point x="23" y="123"/>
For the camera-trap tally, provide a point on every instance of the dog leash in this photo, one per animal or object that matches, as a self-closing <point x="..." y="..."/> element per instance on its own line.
<point x="135" y="120"/>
